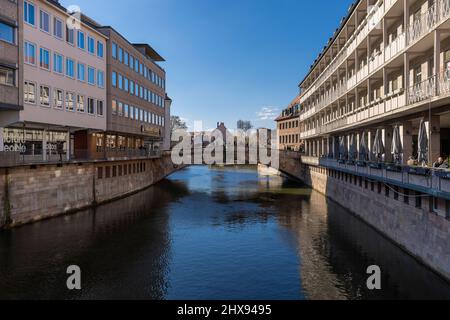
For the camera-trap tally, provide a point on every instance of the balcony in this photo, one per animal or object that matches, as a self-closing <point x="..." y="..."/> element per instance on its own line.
<point x="395" y="47"/>
<point x="423" y="25"/>
<point x="376" y="60"/>
<point x="362" y="73"/>
<point x="422" y="91"/>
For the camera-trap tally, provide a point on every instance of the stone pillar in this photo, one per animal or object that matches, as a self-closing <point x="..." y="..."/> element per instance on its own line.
<point x="407" y="142"/>
<point x="434" y="134"/>
<point x="44" y="145"/>
<point x="387" y="139"/>
<point x="1" y="140"/>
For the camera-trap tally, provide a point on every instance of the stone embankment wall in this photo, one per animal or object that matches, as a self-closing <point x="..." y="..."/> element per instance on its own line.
<point x="32" y="193"/>
<point x="420" y="230"/>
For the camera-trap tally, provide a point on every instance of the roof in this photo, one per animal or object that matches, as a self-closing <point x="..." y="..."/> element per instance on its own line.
<point x="294" y="102"/>
<point x="149" y="51"/>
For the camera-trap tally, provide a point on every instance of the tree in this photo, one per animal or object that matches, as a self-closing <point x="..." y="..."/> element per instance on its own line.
<point x="244" y="125"/>
<point x="177" y="124"/>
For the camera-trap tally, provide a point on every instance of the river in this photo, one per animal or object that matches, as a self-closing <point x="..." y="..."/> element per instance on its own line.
<point x="211" y="233"/>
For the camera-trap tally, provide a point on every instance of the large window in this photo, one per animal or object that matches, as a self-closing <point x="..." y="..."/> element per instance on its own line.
<point x="70" y="101"/>
<point x="91" y="75"/>
<point x="29" y="13"/>
<point x="29" y="91"/>
<point x="125" y="58"/>
<point x="114" y="79"/>
<point x="44" y="22"/>
<point x="30" y="53"/>
<point x="120" y="109"/>
<point x="57" y="63"/>
<point x="131" y="87"/>
<point x="125" y="84"/>
<point x="100" y="49"/>
<point x="131" y="64"/>
<point x="57" y="28"/>
<point x="100" y="79"/>
<point x="114" y="107"/>
<point x="81" y="72"/>
<point x="58" y="97"/>
<point x="44" y="97"/>
<point x="44" y="59"/>
<point x="70" y="38"/>
<point x="126" y="111"/>
<point x="7" y="33"/>
<point x="91" y="45"/>
<point x="114" y="50"/>
<point x="120" y="82"/>
<point x="80" y="103"/>
<point x="7" y="76"/>
<point x="81" y="42"/>
<point x="91" y="106"/>
<point x="120" y="54"/>
<point x="70" y="66"/>
<point x="100" y="107"/>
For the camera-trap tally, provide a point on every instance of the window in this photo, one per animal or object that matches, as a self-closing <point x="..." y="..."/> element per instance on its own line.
<point x="114" y="107"/>
<point x="418" y="74"/>
<point x="131" y="87"/>
<point x="44" y="21"/>
<point x="70" y="66"/>
<point x="114" y="50"/>
<point x="57" y="28"/>
<point x="44" y="59"/>
<point x="125" y="84"/>
<point x="29" y="13"/>
<point x="120" y="82"/>
<point x="70" y="38"/>
<point x="120" y="109"/>
<point x="131" y="64"/>
<point x="7" y="76"/>
<point x="44" y="97"/>
<point x="136" y="65"/>
<point x="136" y="89"/>
<point x="81" y="72"/>
<point x="91" y="106"/>
<point x="58" y="98"/>
<point x="91" y="76"/>
<point x="91" y="45"/>
<point x="7" y="33"/>
<point x="114" y="79"/>
<point x="70" y="100"/>
<point x="141" y="68"/>
<point x="99" y="49"/>
<point x="80" y="40"/>
<point x="29" y="91"/>
<point x="100" y="107"/>
<point x="120" y="54"/>
<point x="80" y="103"/>
<point x="145" y="72"/>
<point x="125" y="58"/>
<point x="100" y="79"/>
<point x="30" y="53"/>
<point x="131" y="112"/>
<point x="57" y="63"/>
<point x="126" y="111"/>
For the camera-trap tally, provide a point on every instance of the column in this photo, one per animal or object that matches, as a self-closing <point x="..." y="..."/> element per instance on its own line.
<point x="44" y="145"/>
<point x="1" y="140"/>
<point x="406" y="18"/>
<point x="434" y="132"/>
<point x="387" y="137"/>
<point x="407" y="141"/>
<point x="406" y="76"/>
<point x="68" y="145"/>
<point x="437" y="58"/>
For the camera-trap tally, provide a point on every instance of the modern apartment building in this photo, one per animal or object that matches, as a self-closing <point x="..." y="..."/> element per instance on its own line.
<point x="289" y="127"/>
<point x="386" y="67"/>
<point x="64" y="85"/>
<point x="136" y="96"/>
<point x="11" y="71"/>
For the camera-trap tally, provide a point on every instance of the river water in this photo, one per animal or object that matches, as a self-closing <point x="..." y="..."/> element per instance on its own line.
<point x="209" y="233"/>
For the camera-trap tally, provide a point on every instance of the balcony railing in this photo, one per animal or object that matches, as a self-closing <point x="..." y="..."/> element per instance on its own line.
<point x="423" y="25"/>
<point x="422" y="91"/>
<point x="394" y="47"/>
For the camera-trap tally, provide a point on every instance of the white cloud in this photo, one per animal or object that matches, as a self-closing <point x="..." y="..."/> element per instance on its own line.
<point x="267" y="113"/>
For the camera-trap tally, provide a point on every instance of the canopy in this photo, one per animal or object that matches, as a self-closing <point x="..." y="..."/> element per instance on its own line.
<point x="363" y="147"/>
<point x="378" y="146"/>
<point x="397" y="148"/>
<point x="353" y="148"/>
<point x="342" y="148"/>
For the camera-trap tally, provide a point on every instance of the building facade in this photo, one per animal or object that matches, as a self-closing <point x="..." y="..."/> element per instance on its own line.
<point x="11" y="68"/>
<point x="64" y="85"/>
<point x="289" y="127"/>
<point x="136" y="97"/>
<point x="387" y="67"/>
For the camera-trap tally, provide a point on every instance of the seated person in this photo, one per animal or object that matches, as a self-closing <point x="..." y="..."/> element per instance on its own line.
<point x="411" y="162"/>
<point x="445" y="165"/>
<point x="439" y="162"/>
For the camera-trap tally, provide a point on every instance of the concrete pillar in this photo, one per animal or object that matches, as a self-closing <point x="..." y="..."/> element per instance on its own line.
<point x="434" y="132"/>
<point x="1" y="140"/>
<point x="437" y="57"/>
<point x="407" y="141"/>
<point x="69" y="146"/>
<point x="387" y="139"/>
<point x="44" y="145"/>
<point x="406" y="75"/>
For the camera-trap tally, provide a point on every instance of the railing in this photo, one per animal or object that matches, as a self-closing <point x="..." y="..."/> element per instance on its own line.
<point x="423" y="25"/>
<point x="422" y="91"/>
<point x="394" y="47"/>
<point x="376" y="60"/>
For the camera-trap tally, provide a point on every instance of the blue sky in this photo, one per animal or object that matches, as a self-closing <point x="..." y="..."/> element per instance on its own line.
<point x="226" y="59"/>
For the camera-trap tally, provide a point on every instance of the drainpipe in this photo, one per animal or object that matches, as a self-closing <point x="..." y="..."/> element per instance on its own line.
<point x="7" y="205"/>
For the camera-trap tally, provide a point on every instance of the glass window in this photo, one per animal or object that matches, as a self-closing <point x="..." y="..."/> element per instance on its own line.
<point x="114" y="107"/>
<point x="44" y="97"/>
<point x="7" y="76"/>
<point x="58" y="98"/>
<point x="100" y="49"/>
<point x="29" y="12"/>
<point x="136" y="89"/>
<point x="120" y="109"/>
<point x="81" y="40"/>
<point x="57" y="28"/>
<point x="44" y="60"/>
<point x="131" y="64"/>
<point x="100" y="79"/>
<point x="136" y="65"/>
<point x="44" y="21"/>
<point x="145" y="71"/>
<point x="70" y="100"/>
<point x="81" y="72"/>
<point x="70" y="38"/>
<point x="120" y="54"/>
<point x="30" y="53"/>
<point x="125" y="84"/>
<point x="100" y="107"/>
<point x="131" y="112"/>
<point x="125" y="58"/>
<point x="29" y="91"/>
<point x="57" y="63"/>
<point x="131" y="87"/>
<point x="91" y="45"/>
<point x="91" y="75"/>
<point x="70" y="66"/>
<point x="91" y="106"/>
<point x="7" y="33"/>
<point x="114" y="79"/>
<point x="114" y="50"/>
<point x="141" y="68"/>
<point x="126" y="111"/>
<point x="80" y="103"/>
<point x="120" y="82"/>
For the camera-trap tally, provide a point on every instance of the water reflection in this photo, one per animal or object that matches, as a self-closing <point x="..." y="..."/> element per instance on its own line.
<point x="211" y="234"/>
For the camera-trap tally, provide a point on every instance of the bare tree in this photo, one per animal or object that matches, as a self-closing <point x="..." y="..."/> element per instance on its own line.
<point x="244" y="125"/>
